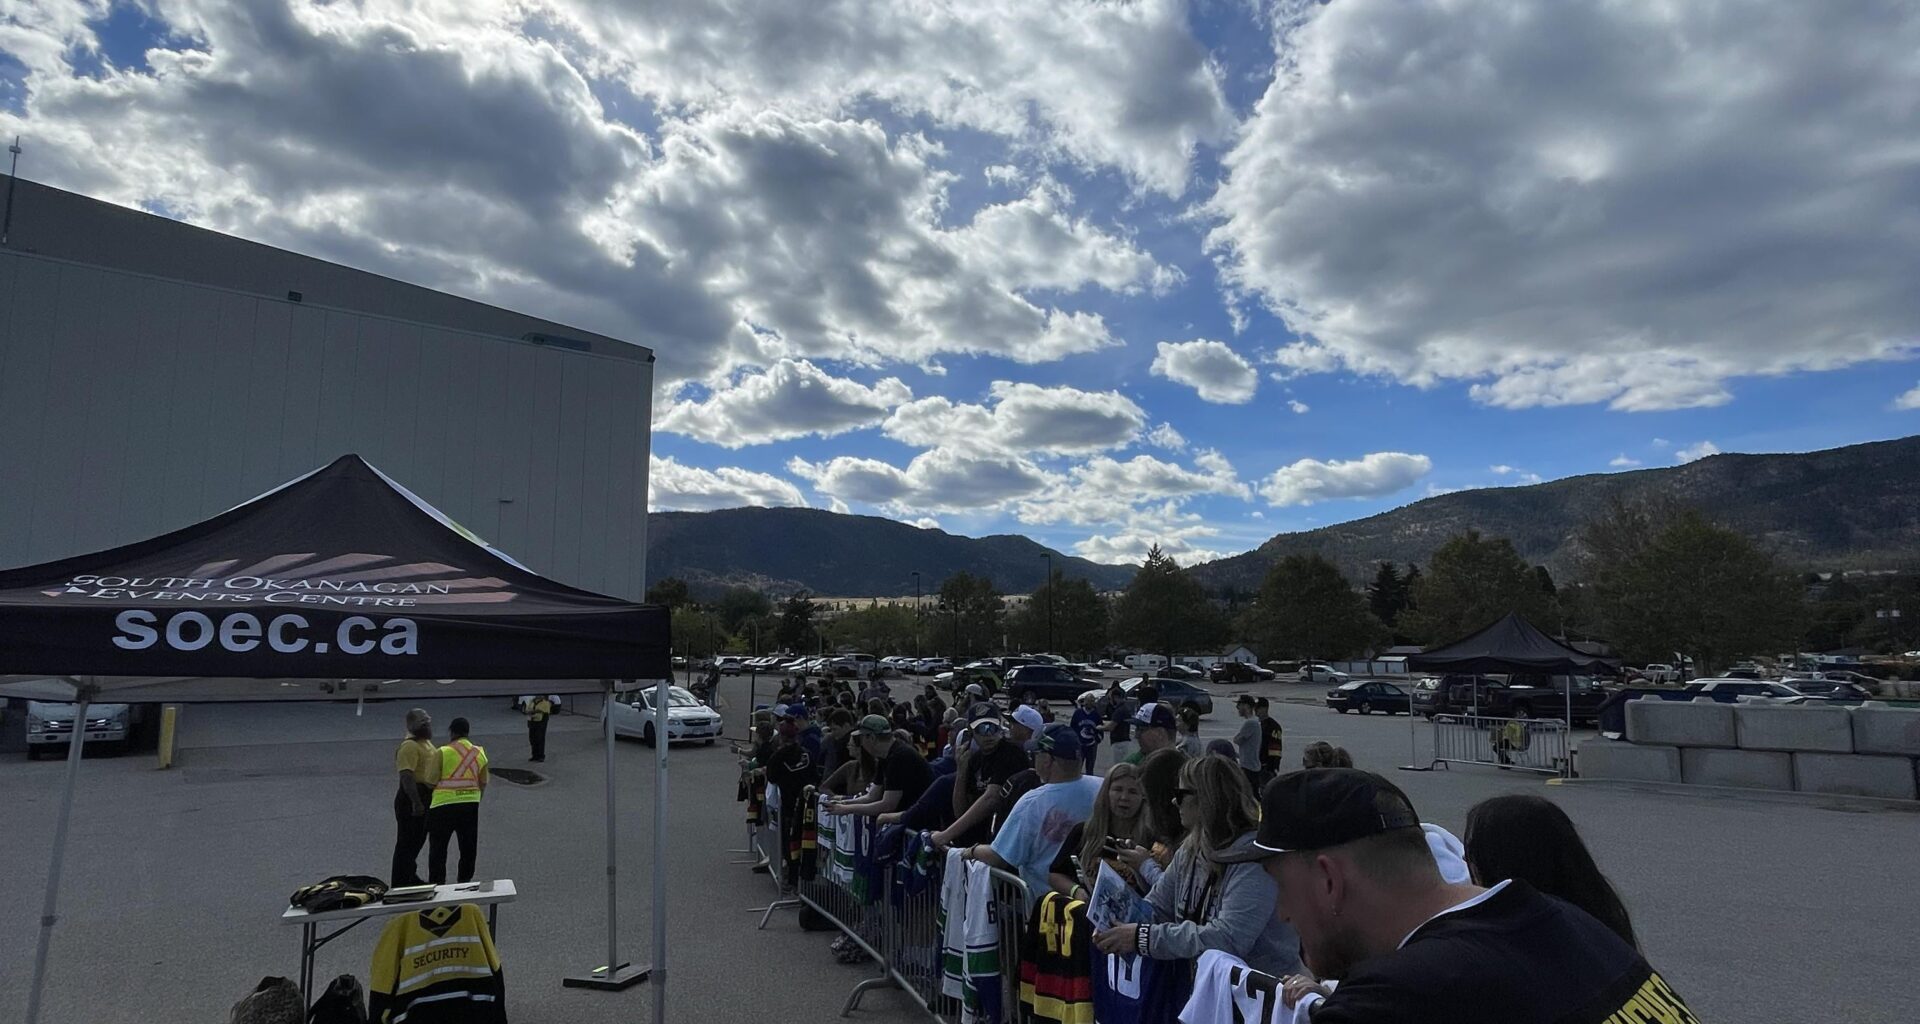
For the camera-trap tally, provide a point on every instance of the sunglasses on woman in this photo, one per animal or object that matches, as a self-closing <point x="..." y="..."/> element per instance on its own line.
<point x="988" y="728"/>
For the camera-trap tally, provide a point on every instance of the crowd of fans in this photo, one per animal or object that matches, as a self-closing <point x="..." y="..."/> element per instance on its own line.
<point x="1323" y="880"/>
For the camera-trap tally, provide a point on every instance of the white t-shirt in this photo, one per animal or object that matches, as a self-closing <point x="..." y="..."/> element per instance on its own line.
<point x="1030" y="838"/>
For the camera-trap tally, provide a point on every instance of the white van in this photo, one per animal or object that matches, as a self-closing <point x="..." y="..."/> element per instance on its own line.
<point x="1146" y="662"/>
<point x="50" y="725"/>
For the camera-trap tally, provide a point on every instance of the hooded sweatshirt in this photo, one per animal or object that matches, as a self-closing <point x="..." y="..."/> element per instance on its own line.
<point x="1230" y="908"/>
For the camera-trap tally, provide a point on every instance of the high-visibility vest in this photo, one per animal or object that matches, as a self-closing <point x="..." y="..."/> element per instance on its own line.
<point x="460" y="765"/>
<point x="542" y="707"/>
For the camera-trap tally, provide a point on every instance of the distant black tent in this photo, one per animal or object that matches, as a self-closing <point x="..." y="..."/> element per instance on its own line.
<point x="1509" y="645"/>
<point x="339" y="581"/>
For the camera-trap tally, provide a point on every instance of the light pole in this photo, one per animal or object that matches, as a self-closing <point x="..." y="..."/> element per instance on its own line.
<point x="1048" y="555"/>
<point x="916" y="614"/>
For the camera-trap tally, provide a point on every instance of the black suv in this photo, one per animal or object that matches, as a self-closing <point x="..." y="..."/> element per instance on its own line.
<point x="1044" y="682"/>
<point x="1517" y="696"/>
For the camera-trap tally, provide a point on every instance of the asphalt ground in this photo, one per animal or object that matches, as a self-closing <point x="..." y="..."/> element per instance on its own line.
<point x="1755" y="907"/>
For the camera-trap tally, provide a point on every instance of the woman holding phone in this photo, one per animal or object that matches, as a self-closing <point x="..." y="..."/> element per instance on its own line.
<point x="1112" y="828"/>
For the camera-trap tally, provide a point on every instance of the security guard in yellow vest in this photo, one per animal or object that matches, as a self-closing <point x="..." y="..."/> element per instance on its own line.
<point x="456" y="804"/>
<point x="539" y="709"/>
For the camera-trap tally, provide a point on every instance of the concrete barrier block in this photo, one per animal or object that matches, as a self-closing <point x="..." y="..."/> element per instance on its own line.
<point x="1884" y="729"/>
<point x="1696" y="723"/>
<point x="1794" y="727"/>
<point x="1748" y="769"/>
<point x="1639" y="762"/>
<point x="1856" y="775"/>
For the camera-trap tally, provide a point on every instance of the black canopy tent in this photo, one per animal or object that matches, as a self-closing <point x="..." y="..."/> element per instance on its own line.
<point x="340" y="581"/>
<point x="1510" y="645"/>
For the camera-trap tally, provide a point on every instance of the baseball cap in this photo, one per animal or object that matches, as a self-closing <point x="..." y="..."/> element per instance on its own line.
<point x="1153" y="715"/>
<point x="794" y="711"/>
<point x="1247" y="698"/>
<point x="982" y="709"/>
<point x="1322" y="807"/>
<point x="1060" y="741"/>
<point x="976" y="690"/>
<point x="874" y="725"/>
<point x="1029" y="716"/>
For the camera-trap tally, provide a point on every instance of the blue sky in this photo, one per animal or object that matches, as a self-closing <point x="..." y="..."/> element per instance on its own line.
<point x="922" y="262"/>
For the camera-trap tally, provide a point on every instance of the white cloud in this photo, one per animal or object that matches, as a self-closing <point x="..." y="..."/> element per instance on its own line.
<point x="924" y="522"/>
<point x="1376" y="474"/>
<point x="1561" y="203"/>
<point x="674" y="486"/>
<point x="1298" y="406"/>
<point x="1100" y="84"/>
<point x="1661" y="442"/>
<point x="1695" y="452"/>
<point x="1217" y="372"/>
<point x="1002" y="174"/>
<point x="791" y="399"/>
<point x="941" y="480"/>
<point x="1501" y="470"/>
<point x="1178" y="534"/>
<point x="1909" y="400"/>
<point x="1022" y="418"/>
<point x="1516" y="472"/>
<point x="1105" y="490"/>
<point x="751" y="217"/>
<point x="1164" y="436"/>
<point x="1622" y="461"/>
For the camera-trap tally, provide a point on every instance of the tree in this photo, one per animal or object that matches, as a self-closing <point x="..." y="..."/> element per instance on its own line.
<point x="1471" y="582"/>
<point x="1306" y="609"/>
<point x="1693" y="587"/>
<point x="795" y="631"/>
<point x="1387" y="594"/>
<point x="739" y="604"/>
<point x="1079" y="618"/>
<point x="671" y="592"/>
<point x="1164" y="611"/>
<point x="880" y="629"/>
<point x="696" y="632"/>
<point x="970" y="614"/>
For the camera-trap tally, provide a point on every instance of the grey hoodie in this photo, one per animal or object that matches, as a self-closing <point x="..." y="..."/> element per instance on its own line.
<point x="1236" y="914"/>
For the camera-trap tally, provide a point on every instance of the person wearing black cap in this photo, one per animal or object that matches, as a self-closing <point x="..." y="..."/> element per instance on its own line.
<point x="988" y="760"/>
<point x="1359" y="883"/>
<point x="1153" y="727"/>
<point x="900" y="774"/>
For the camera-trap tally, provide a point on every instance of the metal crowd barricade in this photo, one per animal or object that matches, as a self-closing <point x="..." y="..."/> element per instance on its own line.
<point x="1525" y="744"/>
<point x="898" y="924"/>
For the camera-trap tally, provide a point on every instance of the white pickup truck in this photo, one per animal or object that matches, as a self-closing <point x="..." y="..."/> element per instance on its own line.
<point x="50" y="725"/>
<point x="1659" y="672"/>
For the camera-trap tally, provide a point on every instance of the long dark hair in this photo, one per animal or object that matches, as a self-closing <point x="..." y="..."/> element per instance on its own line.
<point x="1160" y="815"/>
<point x="1531" y="839"/>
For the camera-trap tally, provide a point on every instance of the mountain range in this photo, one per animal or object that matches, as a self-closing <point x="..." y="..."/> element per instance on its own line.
<point x="783" y="550"/>
<point x="1843" y="508"/>
<point x="1856" y="507"/>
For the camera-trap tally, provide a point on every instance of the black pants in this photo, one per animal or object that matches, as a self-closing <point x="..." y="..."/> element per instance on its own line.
<point x="411" y="836"/>
<point x="537" y="738"/>
<point x="445" y="822"/>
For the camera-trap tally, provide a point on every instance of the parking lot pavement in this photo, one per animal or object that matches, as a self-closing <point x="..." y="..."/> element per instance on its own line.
<point x="175" y="880"/>
<point x="1756" y="908"/>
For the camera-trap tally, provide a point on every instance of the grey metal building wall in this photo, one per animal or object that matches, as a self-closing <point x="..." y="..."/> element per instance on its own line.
<point x="132" y="404"/>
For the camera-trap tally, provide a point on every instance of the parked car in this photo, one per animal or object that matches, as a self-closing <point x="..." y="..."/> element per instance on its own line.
<point x="687" y="718"/>
<point x="731" y="664"/>
<point x="1187" y="672"/>
<point x="1830" y="691"/>
<point x="932" y="666"/>
<point x="1320" y="672"/>
<point x="1043" y="682"/>
<point x="50" y="726"/>
<point x="1369" y="695"/>
<point x="1517" y="696"/>
<point x="1731" y="691"/>
<point x="1659" y="672"/>
<point x="1110" y="665"/>
<point x="1237" y="672"/>
<point x="1177" y="692"/>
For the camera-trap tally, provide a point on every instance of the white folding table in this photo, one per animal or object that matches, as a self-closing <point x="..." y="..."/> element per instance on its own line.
<point x="490" y="894"/>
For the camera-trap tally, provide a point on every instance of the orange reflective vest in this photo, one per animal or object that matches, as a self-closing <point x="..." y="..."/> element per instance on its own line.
<point x="461" y="766"/>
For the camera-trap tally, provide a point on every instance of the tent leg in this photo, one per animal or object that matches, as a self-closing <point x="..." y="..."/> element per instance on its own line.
<point x="613" y="975"/>
<point x="47" y="916"/>
<point x="660" y="861"/>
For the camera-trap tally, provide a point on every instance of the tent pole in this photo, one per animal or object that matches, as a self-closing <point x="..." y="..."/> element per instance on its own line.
<point x="660" y="857"/>
<point x="47" y="906"/>
<point x="615" y="975"/>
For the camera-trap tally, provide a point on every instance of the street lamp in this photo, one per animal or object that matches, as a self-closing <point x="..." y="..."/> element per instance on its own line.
<point x="1048" y="555"/>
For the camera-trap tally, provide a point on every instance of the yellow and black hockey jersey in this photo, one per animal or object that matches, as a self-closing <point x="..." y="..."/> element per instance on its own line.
<point x="437" y="966"/>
